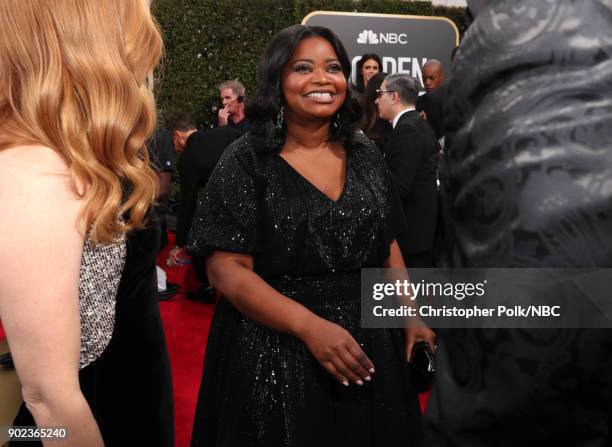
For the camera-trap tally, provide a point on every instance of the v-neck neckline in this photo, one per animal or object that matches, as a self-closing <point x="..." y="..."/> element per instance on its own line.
<point x="308" y="182"/>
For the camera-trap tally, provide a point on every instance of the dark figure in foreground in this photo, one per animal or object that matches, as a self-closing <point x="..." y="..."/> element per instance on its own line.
<point x="526" y="185"/>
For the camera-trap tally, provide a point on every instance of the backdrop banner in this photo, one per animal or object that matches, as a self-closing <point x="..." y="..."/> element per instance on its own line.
<point x="403" y="42"/>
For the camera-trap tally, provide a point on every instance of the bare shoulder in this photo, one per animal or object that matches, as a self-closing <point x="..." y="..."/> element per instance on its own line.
<point x="37" y="176"/>
<point x="20" y="161"/>
<point x="29" y="168"/>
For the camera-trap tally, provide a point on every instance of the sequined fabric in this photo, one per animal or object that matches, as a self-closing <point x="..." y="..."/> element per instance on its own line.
<point x="101" y="268"/>
<point x="264" y="388"/>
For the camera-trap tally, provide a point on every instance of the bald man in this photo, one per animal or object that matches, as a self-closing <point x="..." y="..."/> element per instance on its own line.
<point x="433" y="75"/>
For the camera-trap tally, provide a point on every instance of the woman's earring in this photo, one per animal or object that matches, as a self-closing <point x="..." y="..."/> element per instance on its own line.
<point x="280" y="118"/>
<point x="336" y="124"/>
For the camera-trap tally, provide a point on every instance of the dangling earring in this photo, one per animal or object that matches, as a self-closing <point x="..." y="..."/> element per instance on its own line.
<point x="336" y="124"/>
<point x="280" y="118"/>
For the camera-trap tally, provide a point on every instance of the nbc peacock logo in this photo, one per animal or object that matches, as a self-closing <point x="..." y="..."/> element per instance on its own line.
<point x="367" y="36"/>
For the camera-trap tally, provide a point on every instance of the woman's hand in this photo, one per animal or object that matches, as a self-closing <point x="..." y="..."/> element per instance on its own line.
<point x="337" y="351"/>
<point x="330" y="344"/>
<point x="419" y="333"/>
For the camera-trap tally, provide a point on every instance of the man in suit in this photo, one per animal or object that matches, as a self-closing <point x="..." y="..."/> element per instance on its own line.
<point x="200" y="151"/>
<point x="411" y="155"/>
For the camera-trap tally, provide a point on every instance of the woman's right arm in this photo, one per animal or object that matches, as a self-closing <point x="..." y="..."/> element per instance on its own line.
<point x="333" y="346"/>
<point x="40" y="256"/>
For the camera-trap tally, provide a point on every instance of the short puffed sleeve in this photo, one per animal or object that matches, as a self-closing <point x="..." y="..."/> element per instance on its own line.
<point x="227" y="216"/>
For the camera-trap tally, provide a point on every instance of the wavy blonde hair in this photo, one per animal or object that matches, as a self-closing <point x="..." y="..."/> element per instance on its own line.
<point x="74" y="76"/>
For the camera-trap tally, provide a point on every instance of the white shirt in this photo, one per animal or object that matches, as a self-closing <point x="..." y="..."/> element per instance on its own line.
<point x="399" y="115"/>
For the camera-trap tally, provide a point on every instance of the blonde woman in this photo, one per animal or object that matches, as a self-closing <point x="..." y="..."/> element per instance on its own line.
<point x="77" y="296"/>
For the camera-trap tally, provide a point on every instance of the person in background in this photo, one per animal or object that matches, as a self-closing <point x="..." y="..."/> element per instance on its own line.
<point x="433" y="75"/>
<point x="411" y="154"/>
<point x="200" y="151"/>
<point x="233" y="98"/>
<point x="161" y="149"/>
<point x="371" y="124"/>
<point x="292" y="212"/>
<point x="432" y="102"/>
<point x="78" y="298"/>
<point x="369" y="65"/>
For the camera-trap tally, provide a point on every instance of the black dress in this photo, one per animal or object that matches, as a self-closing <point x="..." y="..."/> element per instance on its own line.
<point x="126" y="380"/>
<point x="261" y="387"/>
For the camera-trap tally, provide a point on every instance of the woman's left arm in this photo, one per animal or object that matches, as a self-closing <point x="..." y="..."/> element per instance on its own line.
<point x="417" y="330"/>
<point x="40" y="258"/>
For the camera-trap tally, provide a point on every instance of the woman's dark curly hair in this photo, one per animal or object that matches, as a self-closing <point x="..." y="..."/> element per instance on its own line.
<point x="359" y="85"/>
<point x="264" y="108"/>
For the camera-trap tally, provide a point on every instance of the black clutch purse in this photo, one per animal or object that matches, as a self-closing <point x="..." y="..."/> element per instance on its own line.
<point x="422" y="366"/>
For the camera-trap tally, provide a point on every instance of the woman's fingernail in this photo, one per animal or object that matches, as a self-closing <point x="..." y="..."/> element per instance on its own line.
<point x="371" y="371"/>
<point x="345" y="383"/>
<point x="359" y="382"/>
<point x="367" y="378"/>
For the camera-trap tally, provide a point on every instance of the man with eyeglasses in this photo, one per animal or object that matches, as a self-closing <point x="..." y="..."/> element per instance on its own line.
<point x="411" y="155"/>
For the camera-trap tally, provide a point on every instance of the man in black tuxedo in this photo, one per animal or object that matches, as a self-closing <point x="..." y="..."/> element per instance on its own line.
<point x="200" y="151"/>
<point x="411" y="155"/>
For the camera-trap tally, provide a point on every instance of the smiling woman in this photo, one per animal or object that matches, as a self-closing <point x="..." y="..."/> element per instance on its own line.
<point x="291" y="214"/>
<point x="313" y="83"/>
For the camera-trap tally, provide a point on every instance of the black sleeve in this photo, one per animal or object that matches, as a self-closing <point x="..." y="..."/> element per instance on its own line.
<point x="198" y="161"/>
<point x="227" y="216"/>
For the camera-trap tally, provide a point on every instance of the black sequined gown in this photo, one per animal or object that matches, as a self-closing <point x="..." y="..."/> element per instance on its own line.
<point x="261" y="387"/>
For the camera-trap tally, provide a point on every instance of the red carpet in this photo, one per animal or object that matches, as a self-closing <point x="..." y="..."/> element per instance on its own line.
<point x="186" y="324"/>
